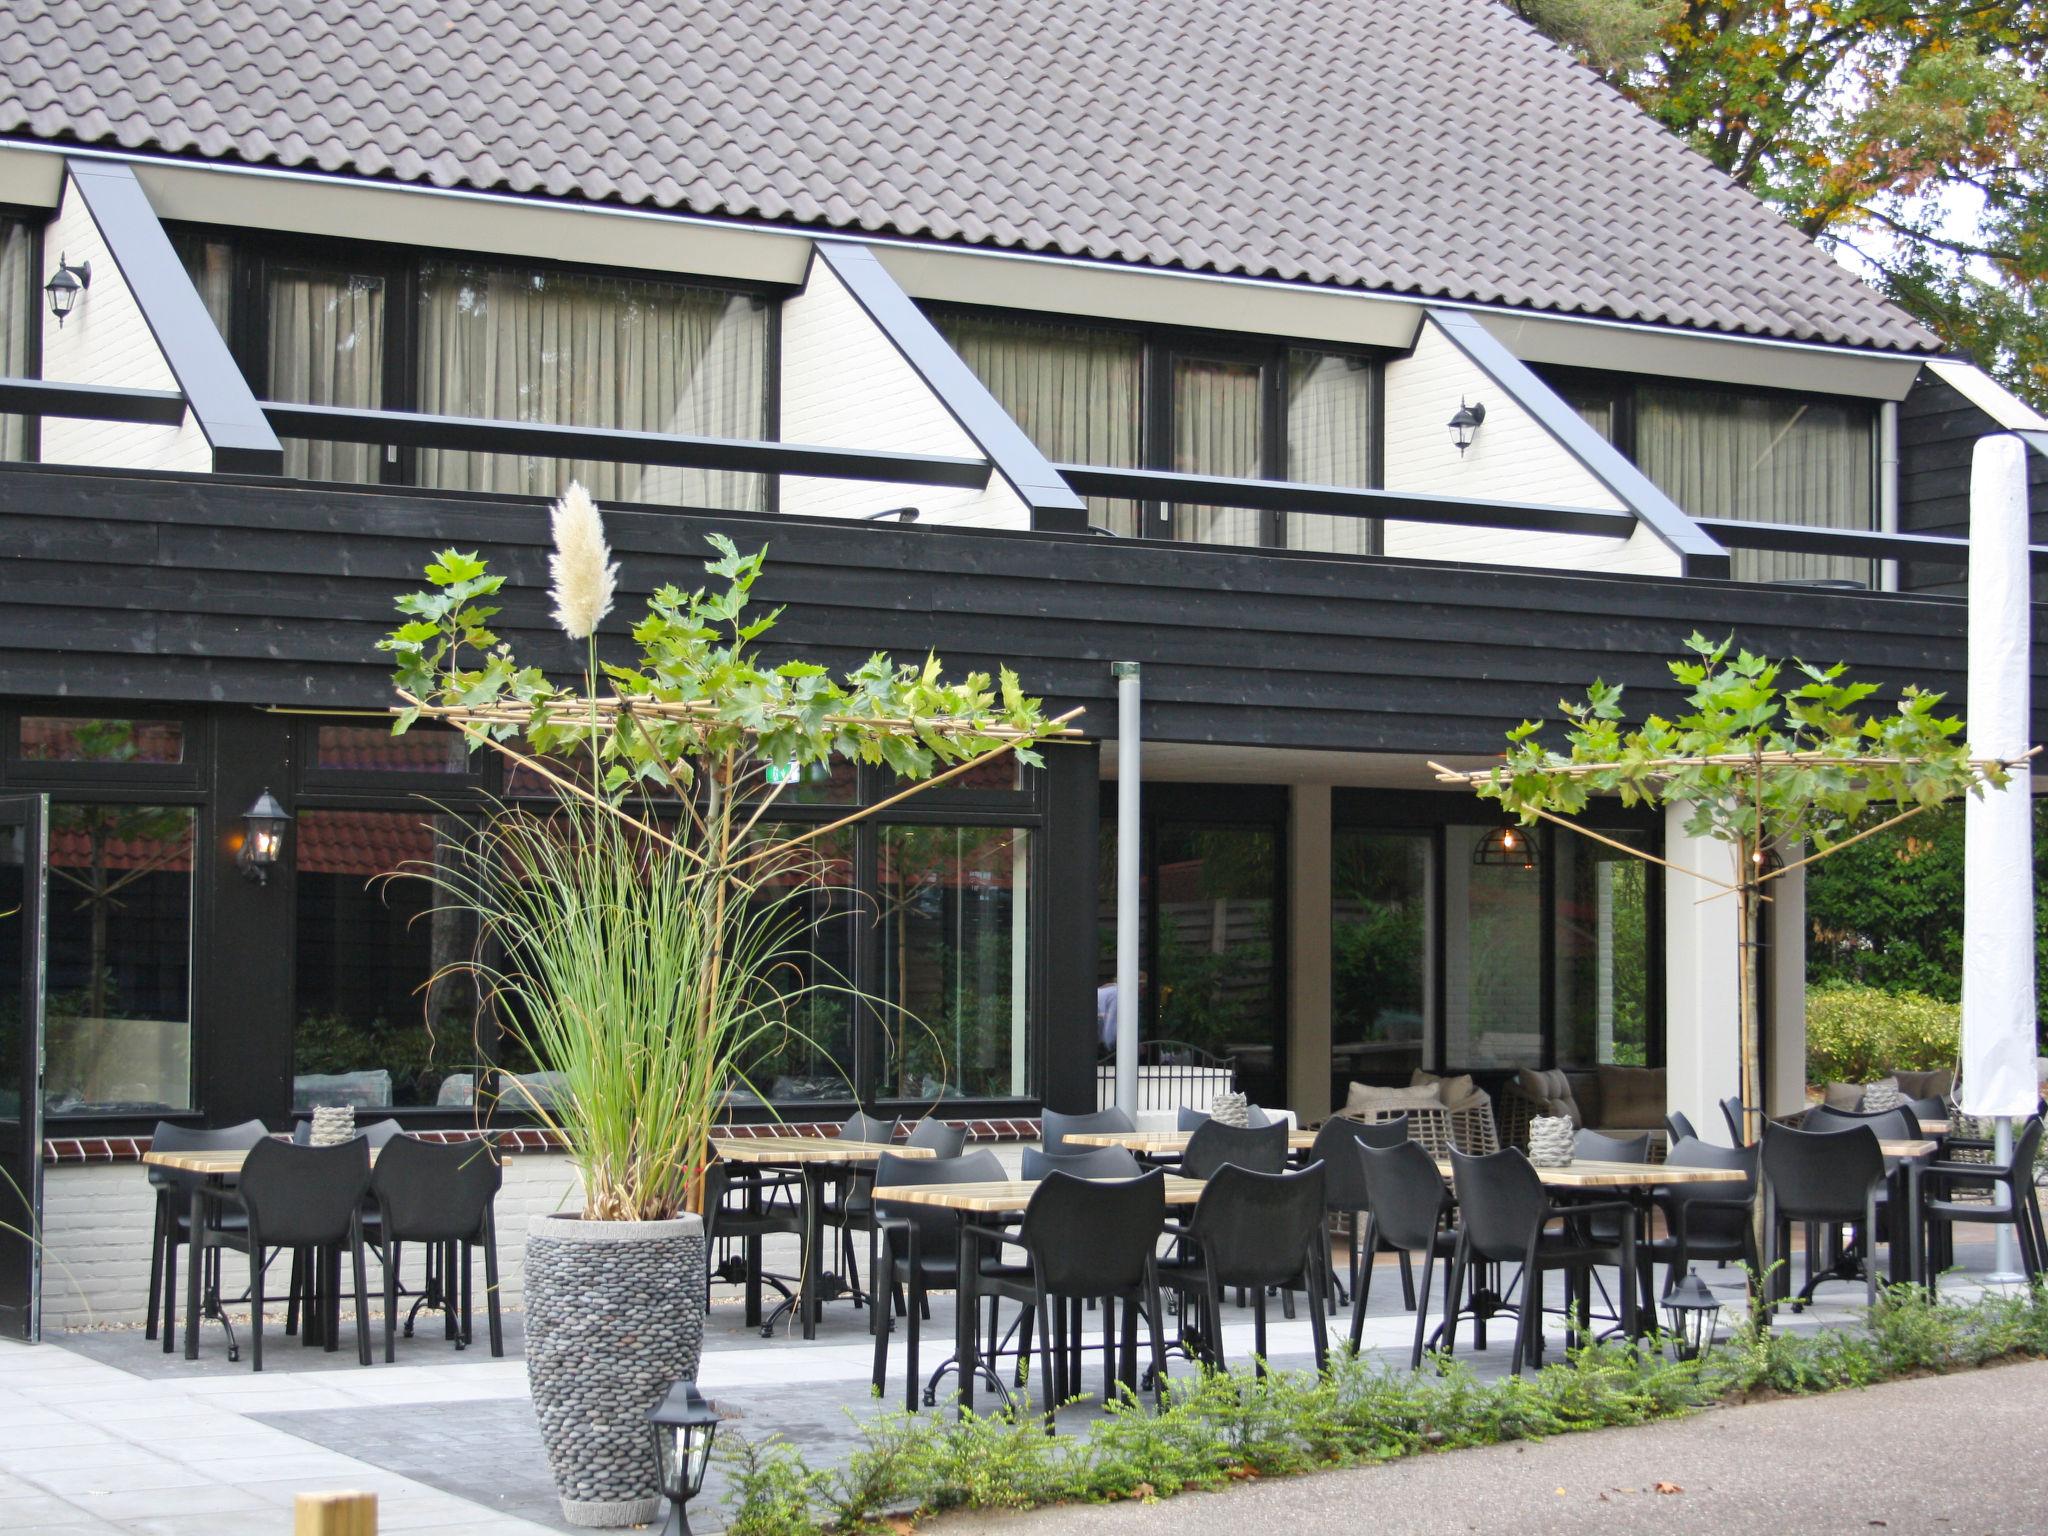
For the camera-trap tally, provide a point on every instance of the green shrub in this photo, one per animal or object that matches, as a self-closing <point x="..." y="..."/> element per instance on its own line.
<point x="1216" y="1427"/>
<point x="1857" y="1034"/>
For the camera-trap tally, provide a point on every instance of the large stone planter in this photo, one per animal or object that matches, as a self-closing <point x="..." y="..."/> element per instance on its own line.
<point x="614" y="1314"/>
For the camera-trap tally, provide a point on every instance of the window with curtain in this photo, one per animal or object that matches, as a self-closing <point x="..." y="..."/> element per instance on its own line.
<point x="20" y="313"/>
<point x="326" y="347"/>
<point x="1329" y="442"/>
<point x="1075" y="391"/>
<point x="210" y="263"/>
<point x="1764" y="459"/>
<point x="1218" y="429"/>
<point x="583" y="349"/>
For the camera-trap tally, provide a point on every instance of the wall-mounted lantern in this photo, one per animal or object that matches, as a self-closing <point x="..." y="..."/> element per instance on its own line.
<point x="1465" y="425"/>
<point x="263" y="827"/>
<point x="67" y="287"/>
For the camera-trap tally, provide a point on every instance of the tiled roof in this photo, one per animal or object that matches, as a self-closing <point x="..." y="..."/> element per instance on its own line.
<point x="1440" y="148"/>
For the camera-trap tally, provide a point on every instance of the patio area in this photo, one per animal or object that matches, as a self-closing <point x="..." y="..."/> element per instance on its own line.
<point x="100" y="1432"/>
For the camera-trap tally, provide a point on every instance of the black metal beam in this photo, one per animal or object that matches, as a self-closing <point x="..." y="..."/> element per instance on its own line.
<point x="220" y="398"/>
<point x="1698" y="554"/>
<point x="474" y="434"/>
<point x="1051" y="500"/>
<point x="1341" y="501"/>
<point x="91" y="402"/>
<point x="1794" y="538"/>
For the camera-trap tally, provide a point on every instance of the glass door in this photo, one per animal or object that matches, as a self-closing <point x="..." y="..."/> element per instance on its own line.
<point x="23" y="856"/>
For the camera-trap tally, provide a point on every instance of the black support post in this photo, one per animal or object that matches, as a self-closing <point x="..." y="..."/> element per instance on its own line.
<point x="1067" y="915"/>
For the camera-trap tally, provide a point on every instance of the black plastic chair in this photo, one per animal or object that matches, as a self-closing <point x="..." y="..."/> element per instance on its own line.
<point x="1898" y="1123"/>
<point x="1344" y="1193"/>
<point x="1188" y="1119"/>
<point x="444" y="1196"/>
<point x="1592" y="1147"/>
<point x="941" y="1139"/>
<point x="1678" y="1127"/>
<point x="1927" y="1109"/>
<point x="1088" y="1240"/>
<point x="174" y="1213"/>
<point x="1703" y="1221"/>
<point x="1504" y="1217"/>
<point x="1408" y="1210"/>
<point x="1056" y="1127"/>
<point x="1734" y="1113"/>
<point x="744" y="1203"/>
<point x="1824" y="1178"/>
<point x="299" y="1197"/>
<point x="847" y="1205"/>
<point x="1089" y="1163"/>
<point x="917" y="1247"/>
<point x="2019" y="1207"/>
<point x="1254" y="1231"/>
<point x="1215" y="1146"/>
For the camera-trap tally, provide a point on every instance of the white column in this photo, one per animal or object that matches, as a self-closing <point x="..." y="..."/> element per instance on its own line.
<point x="1308" y="951"/>
<point x="1702" y="979"/>
<point x="1128" y="856"/>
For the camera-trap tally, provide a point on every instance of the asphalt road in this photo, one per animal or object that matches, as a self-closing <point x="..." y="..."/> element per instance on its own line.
<point x="1947" y="1456"/>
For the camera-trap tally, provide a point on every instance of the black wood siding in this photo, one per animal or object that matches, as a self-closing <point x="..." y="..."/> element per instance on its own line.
<point x="189" y="588"/>
<point x="1938" y="431"/>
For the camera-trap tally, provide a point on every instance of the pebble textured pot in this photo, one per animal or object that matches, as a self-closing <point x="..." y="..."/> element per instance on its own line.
<point x="614" y="1314"/>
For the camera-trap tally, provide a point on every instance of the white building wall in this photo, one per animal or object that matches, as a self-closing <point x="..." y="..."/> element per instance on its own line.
<point x="844" y="385"/>
<point x="106" y="341"/>
<point x="1512" y="458"/>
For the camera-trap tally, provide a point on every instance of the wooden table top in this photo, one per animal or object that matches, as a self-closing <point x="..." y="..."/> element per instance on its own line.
<point x="220" y="1163"/>
<point x="1908" y="1148"/>
<point x="1166" y="1143"/>
<point x="809" y="1149"/>
<point x="997" y="1197"/>
<point x="1933" y="1127"/>
<point x="1588" y="1173"/>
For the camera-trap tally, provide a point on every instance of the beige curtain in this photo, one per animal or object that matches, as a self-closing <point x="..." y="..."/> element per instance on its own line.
<point x="326" y="348"/>
<point x="583" y="350"/>
<point x="1765" y="459"/>
<point x="1073" y="390"/>
<point x="19" y="313"/>
<point x="1216" y="431"/>
<point x="1329" y="442"/>
<point x="211" y="266"/>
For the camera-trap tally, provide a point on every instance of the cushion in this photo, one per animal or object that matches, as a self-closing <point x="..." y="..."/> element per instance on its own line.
<point x="1458" y="1092"/>
<point x="1551" y="1092"/>
<point x="1842" y="1095"/>
<point x="1632" y="1098"/>
<point x="1926" y="1085"/>
<point x="1362" y="1101"/>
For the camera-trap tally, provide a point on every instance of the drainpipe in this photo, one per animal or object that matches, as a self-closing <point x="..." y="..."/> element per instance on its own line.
<point x="1128" y="853"/>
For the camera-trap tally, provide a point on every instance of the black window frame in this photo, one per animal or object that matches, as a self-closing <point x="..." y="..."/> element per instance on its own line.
<point x="255" y="253"/>
<point x="1379" y="810"/>
<point x="1162" y="346"/>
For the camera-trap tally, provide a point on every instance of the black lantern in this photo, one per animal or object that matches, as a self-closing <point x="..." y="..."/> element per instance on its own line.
<point x="67" y="287"/>
<point x="1465" y="425"/>
<point x="1693" y="1317"/>
<point x="1506" y="847"/>
<point x="263" y="827"/>
<point x="683" y="1425"/>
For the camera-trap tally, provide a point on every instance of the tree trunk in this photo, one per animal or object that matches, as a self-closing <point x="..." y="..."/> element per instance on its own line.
<point x="1748" y="927"/>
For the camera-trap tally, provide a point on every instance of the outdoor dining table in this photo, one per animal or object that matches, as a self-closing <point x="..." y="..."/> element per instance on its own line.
<point x="218" y="1167"/>
<point x="1000" y="1198"/>
<point x="1162" y="1145"/>
<point x="817" y="1161"/>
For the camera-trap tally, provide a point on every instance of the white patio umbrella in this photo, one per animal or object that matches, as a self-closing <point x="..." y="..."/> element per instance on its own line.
<point x="1998" y="848"/>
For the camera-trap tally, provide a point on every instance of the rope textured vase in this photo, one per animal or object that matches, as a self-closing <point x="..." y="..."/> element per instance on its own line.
<point x="614" y="1316"/>
<point x="1550" y="1141"/>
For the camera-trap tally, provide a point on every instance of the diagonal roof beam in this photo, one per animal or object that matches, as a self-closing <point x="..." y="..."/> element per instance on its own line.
<point x="219" y="397"/>
<point x="1698" y="552"/>
<point x="1016" y="458"/>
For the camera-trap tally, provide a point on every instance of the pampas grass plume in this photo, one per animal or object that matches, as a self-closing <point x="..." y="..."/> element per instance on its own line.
<point x="584" y="580"/>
